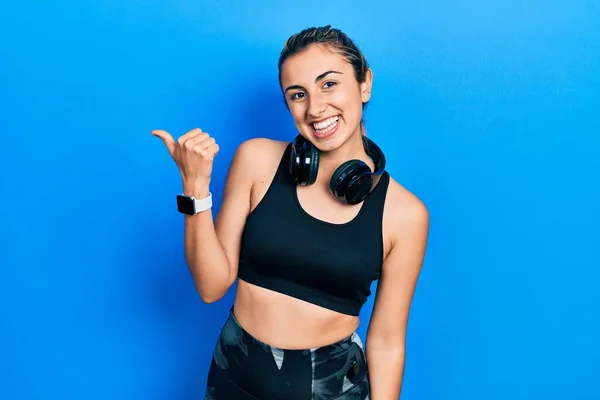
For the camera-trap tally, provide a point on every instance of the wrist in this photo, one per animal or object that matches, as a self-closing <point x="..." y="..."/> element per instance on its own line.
<point x="197" y="189"/>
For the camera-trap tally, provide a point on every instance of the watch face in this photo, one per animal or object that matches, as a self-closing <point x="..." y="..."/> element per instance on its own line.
<point x="185" y="205"/>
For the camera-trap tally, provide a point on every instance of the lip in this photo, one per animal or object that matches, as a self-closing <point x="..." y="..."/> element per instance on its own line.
<point x="316" y="121"/>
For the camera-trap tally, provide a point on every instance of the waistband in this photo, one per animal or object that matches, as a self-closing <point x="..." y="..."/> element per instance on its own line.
<point x="342" y="345"/>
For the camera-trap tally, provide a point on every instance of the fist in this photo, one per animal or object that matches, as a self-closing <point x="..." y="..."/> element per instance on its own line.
<point x="193" y="153"/>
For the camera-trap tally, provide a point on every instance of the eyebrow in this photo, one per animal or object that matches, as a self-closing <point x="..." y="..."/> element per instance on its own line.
<point x="317" y="79"/>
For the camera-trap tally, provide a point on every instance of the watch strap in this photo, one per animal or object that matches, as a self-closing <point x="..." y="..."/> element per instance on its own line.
<point x="202" y="204"/>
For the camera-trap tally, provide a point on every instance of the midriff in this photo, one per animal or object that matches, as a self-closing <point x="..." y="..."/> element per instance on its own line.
<point x="286" y="322"/>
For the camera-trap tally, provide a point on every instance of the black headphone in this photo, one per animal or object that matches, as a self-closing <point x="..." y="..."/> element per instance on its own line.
<point x="351" y="182"/>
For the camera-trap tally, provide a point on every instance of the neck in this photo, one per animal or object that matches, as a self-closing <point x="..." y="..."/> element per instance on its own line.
<point x="329" y="161"/>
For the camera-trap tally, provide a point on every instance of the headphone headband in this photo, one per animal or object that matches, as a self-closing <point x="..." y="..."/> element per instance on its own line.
<point x="376" y="155"/>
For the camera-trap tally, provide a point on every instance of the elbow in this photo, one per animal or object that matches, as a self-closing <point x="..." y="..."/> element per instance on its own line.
<point x="210" y="297"/>
<point x="209" y="300"/>
<point x="391" y="344"/>
<point x="213" y="290"/>
<point x="392" y="349"/>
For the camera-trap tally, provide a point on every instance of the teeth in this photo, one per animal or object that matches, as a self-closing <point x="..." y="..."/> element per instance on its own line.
<point x="326" y="123"/>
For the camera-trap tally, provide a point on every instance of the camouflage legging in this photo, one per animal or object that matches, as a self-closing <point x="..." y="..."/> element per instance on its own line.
<point x="244" y="368"/>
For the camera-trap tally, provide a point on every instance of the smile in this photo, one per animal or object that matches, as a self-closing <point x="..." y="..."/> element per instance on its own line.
<point x="326" y="127"/>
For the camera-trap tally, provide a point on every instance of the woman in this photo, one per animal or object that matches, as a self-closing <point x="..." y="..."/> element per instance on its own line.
<point x="305" y="232"/>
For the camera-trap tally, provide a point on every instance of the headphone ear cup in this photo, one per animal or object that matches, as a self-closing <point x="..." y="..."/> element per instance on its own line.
<point x="311" y="168"/>
<point x="304" y="162"/>
<point x="295" y="163"/>
<point x="359" y="188"/>
<point x="351" y="182"/>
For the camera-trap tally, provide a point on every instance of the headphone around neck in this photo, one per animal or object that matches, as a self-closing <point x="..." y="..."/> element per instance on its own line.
<point x="351" y="182"/>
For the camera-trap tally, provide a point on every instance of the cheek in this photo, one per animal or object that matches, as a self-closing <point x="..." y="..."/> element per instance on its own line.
<point x="298" y="112"/>
<point x="349" y="103"/>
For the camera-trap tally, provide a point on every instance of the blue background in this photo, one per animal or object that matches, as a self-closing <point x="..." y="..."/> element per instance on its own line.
<point x="488" y="111"/>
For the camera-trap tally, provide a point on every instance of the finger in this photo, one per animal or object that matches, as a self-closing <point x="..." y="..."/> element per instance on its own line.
<point x="214" y="149"/>
<point x="199" y="144"/>
<point x="211" y="151"/>
<point x="166" y="138"/>
<point x="189" y="135"/>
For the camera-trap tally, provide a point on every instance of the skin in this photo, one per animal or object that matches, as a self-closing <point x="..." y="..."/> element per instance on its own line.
<point x="291" y="323"/>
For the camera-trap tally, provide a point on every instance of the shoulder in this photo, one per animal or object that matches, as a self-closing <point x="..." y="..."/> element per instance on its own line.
<point x="405" y="214"/>
<point x="260" y="148"/>
<point x="259" y="155"/>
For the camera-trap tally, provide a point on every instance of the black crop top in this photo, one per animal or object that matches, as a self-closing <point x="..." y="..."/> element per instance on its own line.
<point x="287" y="250"/>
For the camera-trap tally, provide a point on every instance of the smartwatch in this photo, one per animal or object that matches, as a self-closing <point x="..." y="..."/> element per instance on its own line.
<point x="191" y="206"/>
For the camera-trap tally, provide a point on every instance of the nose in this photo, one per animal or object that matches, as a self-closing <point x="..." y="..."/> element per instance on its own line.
<point x="316" y="106"/>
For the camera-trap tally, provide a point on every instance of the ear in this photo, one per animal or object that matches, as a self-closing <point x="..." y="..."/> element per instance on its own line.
<point x="365" y="87"/>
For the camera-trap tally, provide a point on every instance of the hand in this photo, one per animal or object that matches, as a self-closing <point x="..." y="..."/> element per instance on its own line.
<point x="193" y="153"/>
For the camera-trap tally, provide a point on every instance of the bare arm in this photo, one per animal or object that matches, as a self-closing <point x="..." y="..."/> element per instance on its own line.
<point x="212" y="249"/>
<point x="386" y="336"/>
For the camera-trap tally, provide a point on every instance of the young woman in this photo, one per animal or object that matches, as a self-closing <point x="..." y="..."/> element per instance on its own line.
<point x="305" y="227"/>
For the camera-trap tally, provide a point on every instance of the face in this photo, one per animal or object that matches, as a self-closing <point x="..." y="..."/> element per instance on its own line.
<point x="323" y="96"/>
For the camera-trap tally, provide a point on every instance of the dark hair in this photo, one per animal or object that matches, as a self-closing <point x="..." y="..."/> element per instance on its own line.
<point x="332" y="38"/>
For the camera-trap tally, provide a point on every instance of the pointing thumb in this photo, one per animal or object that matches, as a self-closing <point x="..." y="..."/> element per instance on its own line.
<point x="166" y="138"/>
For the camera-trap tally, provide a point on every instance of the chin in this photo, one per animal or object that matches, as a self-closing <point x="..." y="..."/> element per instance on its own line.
<point x="333" y="142"/>
<point x="329" y="143"/>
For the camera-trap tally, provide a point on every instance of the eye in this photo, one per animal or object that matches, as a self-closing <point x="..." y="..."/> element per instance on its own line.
<point x="329" y="84"/>
<point x="296" y="95"/>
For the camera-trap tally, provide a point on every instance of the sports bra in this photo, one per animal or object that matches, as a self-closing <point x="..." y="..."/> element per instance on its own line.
<point x="287" y="250"/>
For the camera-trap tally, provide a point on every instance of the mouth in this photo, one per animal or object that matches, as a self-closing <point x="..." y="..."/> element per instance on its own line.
<point x="326" y="128"/>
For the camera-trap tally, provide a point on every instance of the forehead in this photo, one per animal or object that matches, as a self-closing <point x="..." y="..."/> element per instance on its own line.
<point x="304" y="67"/>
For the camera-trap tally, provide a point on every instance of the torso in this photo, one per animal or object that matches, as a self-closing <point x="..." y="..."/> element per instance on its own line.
<point x="284" y="321"/>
